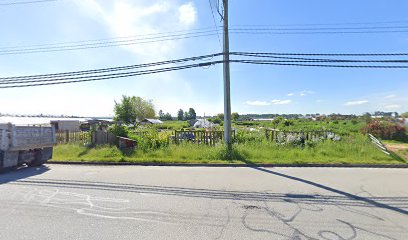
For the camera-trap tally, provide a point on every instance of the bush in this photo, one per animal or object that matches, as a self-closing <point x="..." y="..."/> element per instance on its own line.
<point x="386" y="130"/>
<point x="150" y="139"/>
<point x="246" y="136"/>
<point x="119" y="130"/>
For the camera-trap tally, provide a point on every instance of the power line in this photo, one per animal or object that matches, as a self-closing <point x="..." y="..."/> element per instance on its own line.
<point x="104" y="70"/>
<point x="184" y="34"/>
<point x="107" y="76"/>
<point x="319" y="28"/>
<point x="215" y="23"/>
<point x="107" y="43"/>
<point x="316" y="54"/>
<point x="272" y="32"/>
<point x="26" y="2"/>
<point x="300" y="59"/>
<point x="300" y="64"/>
<point x="276" y="59"/>
<point x="324" y="24"/>
<point x="129" y="37"/>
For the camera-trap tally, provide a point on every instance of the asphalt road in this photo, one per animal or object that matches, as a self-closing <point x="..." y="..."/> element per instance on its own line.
<point x="131" y="202"/>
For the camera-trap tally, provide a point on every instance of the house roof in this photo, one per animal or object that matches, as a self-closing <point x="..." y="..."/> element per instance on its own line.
<point x="154" y="121"/>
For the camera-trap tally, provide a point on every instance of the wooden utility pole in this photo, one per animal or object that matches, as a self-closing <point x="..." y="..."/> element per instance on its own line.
<point x="227" y="93"/>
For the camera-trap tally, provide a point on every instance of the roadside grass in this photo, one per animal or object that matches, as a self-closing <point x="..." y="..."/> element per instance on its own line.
<point x="351" y="150"/>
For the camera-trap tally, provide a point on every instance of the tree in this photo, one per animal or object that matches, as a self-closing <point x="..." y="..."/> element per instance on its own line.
<point x="124" y="111"/>
<point x="192" y="114"/>
<point x="277" y="121"/>
<point x="161" y="115"/>
<point x="220" y="116"/>
<point x="168" y="117"/>
<point x="133" y="109"/>
<point x="186" y="116"/>
<point x="235" y="116"/>
<point x="180" y="115"/>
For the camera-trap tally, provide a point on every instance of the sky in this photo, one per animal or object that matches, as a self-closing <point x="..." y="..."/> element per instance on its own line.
<point x="254" y="89"/>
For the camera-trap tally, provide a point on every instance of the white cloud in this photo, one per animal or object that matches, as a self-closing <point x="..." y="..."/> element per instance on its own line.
<point x="187" y="14"/>
<point x="390" y="96"/>
<point x="353" y="103"/>
<point x="290" y="94"/>
<point x="257" y="103"/>
<point x="281" y="102"/>
<point x="306" y="92"/>
<point x="141" y="19"/>
<point x="392" y="106"/>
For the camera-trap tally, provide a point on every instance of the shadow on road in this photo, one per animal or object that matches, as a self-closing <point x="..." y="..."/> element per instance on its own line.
<point x="21" y="173"/>
<point x="345" y="199"/>
<point x="330" y="189"/>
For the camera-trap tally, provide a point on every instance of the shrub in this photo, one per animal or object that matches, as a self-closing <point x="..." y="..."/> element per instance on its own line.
<point x="150" y="139"/>
<point x="247" y="136"/>
<point x="386" y="130"/>
<point x="119" y="130"/>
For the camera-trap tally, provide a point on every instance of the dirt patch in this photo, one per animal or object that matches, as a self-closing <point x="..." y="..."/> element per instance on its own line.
<point x="397" y="146"/>
<point x="399" y="149"/>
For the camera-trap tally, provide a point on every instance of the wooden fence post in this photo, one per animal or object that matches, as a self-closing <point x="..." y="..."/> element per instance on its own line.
<point x="66" y="136"/>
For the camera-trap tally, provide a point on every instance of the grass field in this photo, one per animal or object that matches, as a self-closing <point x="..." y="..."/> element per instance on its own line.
<point x="351" y="150"/>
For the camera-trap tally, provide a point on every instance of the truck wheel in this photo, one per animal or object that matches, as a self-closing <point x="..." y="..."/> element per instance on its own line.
<point x="41" y="156"/>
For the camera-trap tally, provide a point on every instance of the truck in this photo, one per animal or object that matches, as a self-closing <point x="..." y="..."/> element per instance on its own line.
<point x="24" y="144"/>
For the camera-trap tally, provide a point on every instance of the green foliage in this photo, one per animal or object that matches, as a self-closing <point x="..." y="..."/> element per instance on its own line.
<point x="216" y="120"/>
<point x="356" y="150"/>
<point x="247" y="136"/>
<point x="150" y="139"/>
<point x="131" y="109"/>
<point x="191" y="114"/>
<point x="165" y="117"/>
<point x="234" y="116"/>
<point x="277" y="121"/>
<point x="404" y="115"/>
<point x="172" y="125"/>
<point x="344" y="127"/>
<point x="119" y="130"/>
<point x="180" y="115"/>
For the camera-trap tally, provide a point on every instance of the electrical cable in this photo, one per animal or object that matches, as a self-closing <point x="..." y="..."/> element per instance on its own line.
<point x="104" y="70"/>
<point x="113" y="76"/>
<point x="215" y="24"/>
<point x="26" y="2"/>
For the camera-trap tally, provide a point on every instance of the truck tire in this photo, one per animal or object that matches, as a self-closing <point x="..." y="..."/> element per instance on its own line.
<point x="42" y="156"/>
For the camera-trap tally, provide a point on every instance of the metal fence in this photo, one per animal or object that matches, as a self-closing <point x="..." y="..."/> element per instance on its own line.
<point x="199" y="136"/>
<point x="273" y="134"/>
<point x="73" y="137"/>
<point x="95" y="138"/>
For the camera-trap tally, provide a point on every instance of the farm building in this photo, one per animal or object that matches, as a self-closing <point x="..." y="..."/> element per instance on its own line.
<point x="148" y="121"/>
<point x="66" y="125"/>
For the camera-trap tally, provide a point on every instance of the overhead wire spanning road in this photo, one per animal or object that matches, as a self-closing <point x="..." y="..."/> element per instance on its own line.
<point x="353" y="60"/>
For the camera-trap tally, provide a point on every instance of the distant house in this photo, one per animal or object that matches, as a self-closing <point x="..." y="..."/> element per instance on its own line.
<point x="203" y="123"/>
<point x="147" y="121"/>
<point x="66" y="125"/>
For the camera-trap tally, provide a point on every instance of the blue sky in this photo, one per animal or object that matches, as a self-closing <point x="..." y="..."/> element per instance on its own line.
<point x="255" y="89"/>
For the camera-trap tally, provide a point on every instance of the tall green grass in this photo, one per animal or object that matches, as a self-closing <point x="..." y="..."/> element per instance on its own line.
<point x="351" y="150"/>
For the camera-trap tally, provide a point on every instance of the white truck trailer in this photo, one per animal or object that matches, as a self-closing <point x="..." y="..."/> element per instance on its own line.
<point x="31" y="145"/>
